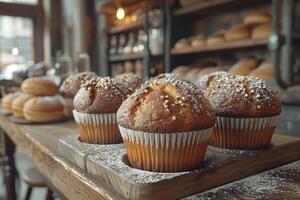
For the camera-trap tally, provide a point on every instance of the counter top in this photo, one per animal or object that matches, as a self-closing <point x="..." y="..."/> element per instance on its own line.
<point x="40" y="143"/>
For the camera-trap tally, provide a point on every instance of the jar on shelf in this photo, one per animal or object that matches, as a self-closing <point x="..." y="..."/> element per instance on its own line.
<point x="113" y="45"/>
<point x="140" y="44"/>
<point x="156" y="33"/>
<point x="130" y="43"/>
<point x="122" y="43"/>
<point x="128" y="67"/>
<point x="139" y="67"/>
<point x="83" y="63"/>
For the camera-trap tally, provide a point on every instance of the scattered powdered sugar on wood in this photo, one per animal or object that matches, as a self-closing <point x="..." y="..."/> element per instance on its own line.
<point x="262" y="186"/>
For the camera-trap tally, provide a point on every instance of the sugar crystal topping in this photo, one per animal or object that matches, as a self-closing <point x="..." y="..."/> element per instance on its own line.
<point x="111" y="87"/>
<point x="190" y="94"/>
<point x="82" y="77"/>
<point x="243" y="87"/>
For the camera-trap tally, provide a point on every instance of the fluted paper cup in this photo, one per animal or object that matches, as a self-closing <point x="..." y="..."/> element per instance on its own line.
<point x="166" y="152"/>
<point x="243" y="133"/>
<point x="98" y="128"/>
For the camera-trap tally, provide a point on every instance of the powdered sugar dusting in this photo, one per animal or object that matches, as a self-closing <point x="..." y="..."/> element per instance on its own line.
<point x="268" y="185"/>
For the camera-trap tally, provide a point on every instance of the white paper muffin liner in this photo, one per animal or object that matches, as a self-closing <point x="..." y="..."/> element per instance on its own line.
<point x="244" y="133"/>
<point x="171" y="152"/>
<point x="98" y="128"/>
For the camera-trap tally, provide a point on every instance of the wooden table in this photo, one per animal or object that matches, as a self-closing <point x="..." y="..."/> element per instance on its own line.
<point x="40" y="143"/>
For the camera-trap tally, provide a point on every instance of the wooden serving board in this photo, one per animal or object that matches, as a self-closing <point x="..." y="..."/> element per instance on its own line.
<point x="23" y="121"/>
<point x="109" y="165"/>
<point x="76" y="152"/>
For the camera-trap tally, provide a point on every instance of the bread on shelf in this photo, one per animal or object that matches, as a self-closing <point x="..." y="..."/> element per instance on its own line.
<point x="244" y="66"/>
<point x="262" y="31"/>
<point x="264" y="71"/>
<point x="259" y="17"/>
<point x="238" y="33"/>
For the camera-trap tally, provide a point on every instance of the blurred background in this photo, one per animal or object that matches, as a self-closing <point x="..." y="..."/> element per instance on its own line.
<point x="191" y="38"/>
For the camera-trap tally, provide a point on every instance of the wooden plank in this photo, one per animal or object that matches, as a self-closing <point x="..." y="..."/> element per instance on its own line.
<point x="40" y="142"/>
<point x="279" y="183"/>
<point x="18" y="10"/>
<point x="220" y="167"/>
<point x="205" y="6"/>
<point x="126" y="28"/>
<point x="77" y="152"/>
<point x="243" y="44"/>
<point x="126" y="57"/>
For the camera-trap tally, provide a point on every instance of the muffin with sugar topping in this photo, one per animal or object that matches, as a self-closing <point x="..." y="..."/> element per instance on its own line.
<point x="246" y="107"/>
<point x="96" y="104"/>
<point x="164" y="121"/>
<point x="132" y="81"/>
<point x="70" y="87"/>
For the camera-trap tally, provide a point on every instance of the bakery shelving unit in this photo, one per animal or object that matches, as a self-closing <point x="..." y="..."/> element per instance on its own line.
<point x="133" y="27"/>
<point x="185" y="16"/>
<point x="237" y="45"/>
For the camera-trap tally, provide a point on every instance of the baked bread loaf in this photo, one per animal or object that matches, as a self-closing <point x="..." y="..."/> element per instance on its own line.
<point x="193" y="72"/>
<point x="262" y="31"/>
<point x="216" y="38"/>
<point x="43" y="109"/>
<point x="264" y="71"/>
<point x="6" y="101"/>
<point x="198" y="41"/>
<point x="182" y="44"/>
<point x="257" y="18"/>
<point x="71" y="85"/>
<point x="238" y="33"/>
<point x="208" y="70"/>
<point x="132" y="81"/>
<point x="18" y="104"/>
<point x="39" y="86"/>
<point x="181" y="70"/>
<point x="165" y="112"/>
<point x="244" y="66"/>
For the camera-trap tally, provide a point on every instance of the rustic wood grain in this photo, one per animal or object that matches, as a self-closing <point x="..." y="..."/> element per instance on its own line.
<point x="40" y="144"/>
<point x="220" y="167"/>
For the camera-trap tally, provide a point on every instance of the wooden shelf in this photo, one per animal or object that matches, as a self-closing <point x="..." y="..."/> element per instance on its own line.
<point x="125" y="57"/>
<point x="202" y="7"/>
<point x="243" y="44"/>
<point x="126" y="28"/>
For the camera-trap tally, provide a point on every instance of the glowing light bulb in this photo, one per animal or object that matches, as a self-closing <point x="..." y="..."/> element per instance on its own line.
<point x="120" y="13"/>
<point x="15" y="51"/>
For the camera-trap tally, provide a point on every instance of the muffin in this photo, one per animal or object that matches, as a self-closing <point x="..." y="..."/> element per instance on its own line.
<point x="247" y="110"/>
<point x="43" y="109"/>
<point x="70" y="87"/>
<point x="39" y="86"/>
<point x="96" y="104"/>
<point x="166" y="125"/>
<point x="132" y="81"/>
<point x="18" y="104"/>
<point x="6" y="102"/>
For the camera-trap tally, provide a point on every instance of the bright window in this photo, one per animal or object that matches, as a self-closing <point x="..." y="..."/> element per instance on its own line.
<point x="16" y="40"/>
<point x="31" y="2"/>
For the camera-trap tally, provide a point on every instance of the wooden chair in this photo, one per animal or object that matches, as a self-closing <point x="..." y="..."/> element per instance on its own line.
<point x="33" y="178"/>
